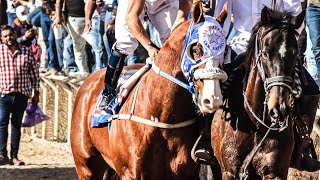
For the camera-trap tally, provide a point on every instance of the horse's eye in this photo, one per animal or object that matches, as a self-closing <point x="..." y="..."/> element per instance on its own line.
<point x="265" y="55"/>
<point x="197" y="53"/>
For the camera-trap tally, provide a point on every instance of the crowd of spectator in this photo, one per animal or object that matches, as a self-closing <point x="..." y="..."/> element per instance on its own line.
<point x="66" y="50"/>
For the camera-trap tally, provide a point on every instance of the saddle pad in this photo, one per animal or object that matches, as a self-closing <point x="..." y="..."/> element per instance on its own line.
<point x="100" y="118"/>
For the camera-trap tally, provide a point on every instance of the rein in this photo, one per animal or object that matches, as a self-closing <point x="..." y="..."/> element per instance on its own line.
<point x="207" y="73"/>
<point x="157" y="70"/>
<point x="154" y="122"/>
<point x="268" y="83"/>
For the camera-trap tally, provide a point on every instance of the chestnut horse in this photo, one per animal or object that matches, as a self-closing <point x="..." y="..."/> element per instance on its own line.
<point x="252" y="134"/>
<point x="147" y="150"/>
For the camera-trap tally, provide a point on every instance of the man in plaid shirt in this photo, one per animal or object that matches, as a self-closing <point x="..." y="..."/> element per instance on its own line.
<point x="18" y="73"/>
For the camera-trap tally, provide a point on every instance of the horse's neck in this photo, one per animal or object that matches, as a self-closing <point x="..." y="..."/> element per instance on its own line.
<point x="254" y="92"/>
<point x="170" y="102"/>
<point x="173" y="101"/>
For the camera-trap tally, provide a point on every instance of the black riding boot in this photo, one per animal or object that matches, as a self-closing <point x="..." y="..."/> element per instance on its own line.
<point x="113" y="71"/>
<point x="108" y="91"/>
<point x="202" y="150"/>
<point x="304" y="156"/>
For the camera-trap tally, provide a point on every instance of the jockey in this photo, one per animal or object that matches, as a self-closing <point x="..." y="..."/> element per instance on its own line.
<point x="165" y="15"/>
<point x="245" y="14"/>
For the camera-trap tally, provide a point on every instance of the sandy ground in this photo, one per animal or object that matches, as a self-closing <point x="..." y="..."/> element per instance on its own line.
<point x="44" y="160"/>
<point x="52" y="160"/>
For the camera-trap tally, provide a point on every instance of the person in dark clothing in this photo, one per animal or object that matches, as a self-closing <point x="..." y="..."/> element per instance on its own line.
<point x="75" y="22"/>
<point x="25" y="34"/>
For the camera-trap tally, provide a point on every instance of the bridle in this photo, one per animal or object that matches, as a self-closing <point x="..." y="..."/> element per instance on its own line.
<point x="268" y="83"/>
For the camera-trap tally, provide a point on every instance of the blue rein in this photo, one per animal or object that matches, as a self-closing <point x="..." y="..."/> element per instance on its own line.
<point x="157" y="70"/>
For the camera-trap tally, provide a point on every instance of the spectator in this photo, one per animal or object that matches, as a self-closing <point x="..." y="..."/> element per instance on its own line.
<point x="18" y="71"/>
<point x="313" y="23"/>
<point x="3" y="14"/>
<point x="68" y="56"/>
<point x="25" y="33"/>
<point x="49" y="8"/>
<point x="110" y="7"/>
<point x="75" y="23"/>
<point x="309" y="58"/>
<point x="43" y="20"/>
<point x="95" y="40"/>
<point x="34" y="10"/>
<point x="11" y="12"/>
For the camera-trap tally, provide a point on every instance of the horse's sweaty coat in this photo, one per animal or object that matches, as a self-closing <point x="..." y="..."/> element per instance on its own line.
<point x="133" y="150"/>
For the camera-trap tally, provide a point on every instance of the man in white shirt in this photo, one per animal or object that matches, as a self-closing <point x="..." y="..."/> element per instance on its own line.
<point x="245" y="14"/>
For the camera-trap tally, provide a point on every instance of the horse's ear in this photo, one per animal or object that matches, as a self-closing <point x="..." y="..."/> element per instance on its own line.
<point x="298" y="20"/>
<point x="265" y="16"/>
<point x="197" y="13"/>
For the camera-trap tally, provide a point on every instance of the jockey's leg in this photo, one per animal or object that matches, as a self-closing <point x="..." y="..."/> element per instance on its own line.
<point x="113" y="71"/>
<point x="204" y="153"/>
<point x="308" y="105"/>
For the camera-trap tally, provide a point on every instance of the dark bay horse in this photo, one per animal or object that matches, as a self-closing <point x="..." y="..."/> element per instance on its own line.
<point x="252" y="134"/>
<point x="147" y="150"/>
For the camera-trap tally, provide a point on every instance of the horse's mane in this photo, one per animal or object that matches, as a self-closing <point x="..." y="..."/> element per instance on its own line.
<point x="276" y="18"/>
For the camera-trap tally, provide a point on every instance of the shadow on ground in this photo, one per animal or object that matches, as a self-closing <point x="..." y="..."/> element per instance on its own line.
<point x="57" y="173"/>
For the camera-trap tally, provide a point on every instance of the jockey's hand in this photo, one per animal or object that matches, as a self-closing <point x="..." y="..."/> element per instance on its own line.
<point x="152" y="51"/>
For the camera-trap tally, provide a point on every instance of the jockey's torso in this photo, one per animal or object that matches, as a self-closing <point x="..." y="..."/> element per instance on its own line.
<point x="153" y="6"/>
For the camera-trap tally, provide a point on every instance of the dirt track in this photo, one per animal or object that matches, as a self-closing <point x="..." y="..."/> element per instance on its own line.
<point x="53" y="161"/>
<point x="44" y="160"/>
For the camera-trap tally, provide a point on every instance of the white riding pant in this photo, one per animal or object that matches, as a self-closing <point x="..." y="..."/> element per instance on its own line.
<point x="161" y="13"/>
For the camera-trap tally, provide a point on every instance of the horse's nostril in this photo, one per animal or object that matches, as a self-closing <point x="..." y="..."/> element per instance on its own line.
<point x="283" y="109"/>
<point x="213" y="103"/>
<point x="274" y="113"/>
<point x="206" y="102"/>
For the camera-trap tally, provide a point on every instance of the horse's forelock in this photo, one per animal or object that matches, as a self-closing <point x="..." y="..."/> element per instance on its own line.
<point x="276" y="18"/>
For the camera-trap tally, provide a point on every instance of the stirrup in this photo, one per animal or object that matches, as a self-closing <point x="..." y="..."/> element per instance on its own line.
<point x="203" y="156"/>
<point x="106" y="102"/>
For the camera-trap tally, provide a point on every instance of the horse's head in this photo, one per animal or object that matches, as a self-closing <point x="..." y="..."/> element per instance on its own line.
<point x="201" y="60"/>
<point x="274" y="52"/>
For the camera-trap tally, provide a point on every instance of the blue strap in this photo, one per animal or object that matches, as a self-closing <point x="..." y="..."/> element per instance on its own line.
<point x="171" y="78"/>
<point x="186" y="40"/>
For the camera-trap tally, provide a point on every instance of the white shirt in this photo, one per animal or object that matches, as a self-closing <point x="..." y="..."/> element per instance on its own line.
<point x="219" y="6"/>
<point x="246" y="14"/>
<point x="10" y="8"/>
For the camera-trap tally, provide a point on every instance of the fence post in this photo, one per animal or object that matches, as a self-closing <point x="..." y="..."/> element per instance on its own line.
<point x="44" y="108"/>
<point x="53" y="86"/>
<point x="70" y="105"/>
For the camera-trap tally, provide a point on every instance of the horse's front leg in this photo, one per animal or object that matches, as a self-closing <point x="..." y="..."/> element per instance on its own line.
<point x="228" y="176"/>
